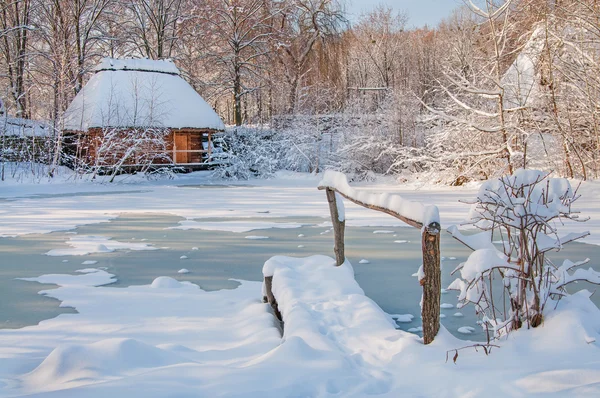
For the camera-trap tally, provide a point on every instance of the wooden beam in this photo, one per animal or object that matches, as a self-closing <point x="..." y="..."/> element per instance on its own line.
<point x="271" y="298"/>
<point x="411" y="222"/>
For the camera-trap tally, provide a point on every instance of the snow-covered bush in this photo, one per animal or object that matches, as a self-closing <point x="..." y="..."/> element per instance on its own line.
<point x="246" y="152"/>
<point x="309" y="142"/>
<point x="378" y="141"/>
<point x="513" y="284"/>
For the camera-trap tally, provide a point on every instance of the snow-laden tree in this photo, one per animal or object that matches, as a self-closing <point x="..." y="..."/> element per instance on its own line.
<point x="246" y="153"/>
<point x="514" y="283"/>
<point x="482" y="133"/>
<point x="569" y="84"/>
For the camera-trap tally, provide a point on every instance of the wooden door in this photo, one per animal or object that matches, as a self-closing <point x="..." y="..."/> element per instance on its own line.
<point x="181" y="144"/>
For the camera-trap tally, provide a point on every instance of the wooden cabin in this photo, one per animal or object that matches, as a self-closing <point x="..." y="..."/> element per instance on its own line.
<point x="134" y="102"/>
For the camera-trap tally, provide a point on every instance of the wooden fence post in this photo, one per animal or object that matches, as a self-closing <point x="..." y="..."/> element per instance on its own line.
<point x="338" y="227"/>
<point x="432" y="282"/>
<point x="271" y="298"/>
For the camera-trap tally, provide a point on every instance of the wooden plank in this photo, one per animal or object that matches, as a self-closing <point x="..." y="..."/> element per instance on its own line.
<point x="407" y="220"/>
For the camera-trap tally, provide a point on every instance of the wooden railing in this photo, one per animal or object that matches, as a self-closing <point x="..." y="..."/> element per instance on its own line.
<point x="432" y="279"/>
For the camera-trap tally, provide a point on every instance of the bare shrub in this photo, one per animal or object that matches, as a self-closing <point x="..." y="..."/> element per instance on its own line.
<point x="524" y="211"/>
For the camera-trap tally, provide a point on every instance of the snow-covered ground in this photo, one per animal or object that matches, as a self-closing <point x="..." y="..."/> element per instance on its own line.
<point x="173" y="339"/>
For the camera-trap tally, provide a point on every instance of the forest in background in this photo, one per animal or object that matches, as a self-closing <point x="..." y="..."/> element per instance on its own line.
<point x="497" y="86"/>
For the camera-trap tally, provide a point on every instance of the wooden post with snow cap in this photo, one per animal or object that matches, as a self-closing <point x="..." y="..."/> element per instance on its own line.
<point x="431" y="281"/>
<point x="414" y="214"/>
<point x="339" y="225"/>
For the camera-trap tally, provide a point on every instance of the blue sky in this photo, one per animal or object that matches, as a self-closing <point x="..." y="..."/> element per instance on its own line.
<point x="420" y="12"/>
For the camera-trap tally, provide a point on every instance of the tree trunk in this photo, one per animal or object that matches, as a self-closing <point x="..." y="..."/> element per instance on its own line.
<point x="237" y="96"/>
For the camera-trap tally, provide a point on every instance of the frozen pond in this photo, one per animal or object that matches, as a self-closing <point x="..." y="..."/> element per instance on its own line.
<point x="214" y="258"/>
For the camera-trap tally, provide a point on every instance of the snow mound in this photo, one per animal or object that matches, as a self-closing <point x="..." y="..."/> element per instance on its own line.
<point x="183" y="271"/>
<point x="79" y="364"/>
<point x="256" y="237"/>
<point x="364" y="261"/>
<point x="384" y="232"/>
<point x="324" y="309"/>
<point x="563" y="381"/>
<point x="165" y="282"/>
<point x="466" y="329"/>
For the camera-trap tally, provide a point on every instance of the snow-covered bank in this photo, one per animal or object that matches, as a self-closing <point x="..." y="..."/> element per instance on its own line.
<point x="173" y="339"/>
<point x="65" y="205"/>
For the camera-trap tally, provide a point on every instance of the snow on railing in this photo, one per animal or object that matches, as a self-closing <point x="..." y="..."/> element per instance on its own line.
<point x="415" y="214"/>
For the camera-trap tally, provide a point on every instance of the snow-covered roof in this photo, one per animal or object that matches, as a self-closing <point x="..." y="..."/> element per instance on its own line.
<point x="17" y="127"/>
<point x="142" y="65"/>
<point x="139" y="93"/>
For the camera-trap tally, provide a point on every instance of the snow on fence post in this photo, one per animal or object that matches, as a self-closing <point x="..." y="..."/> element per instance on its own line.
<point x="339" y="225"/>
<point x="415" y="214"/>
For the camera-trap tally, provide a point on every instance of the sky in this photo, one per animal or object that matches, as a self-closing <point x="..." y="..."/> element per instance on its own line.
<point x="420" y="12"/>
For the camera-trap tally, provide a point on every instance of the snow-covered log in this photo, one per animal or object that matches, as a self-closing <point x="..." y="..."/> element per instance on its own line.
<point x="323" y="304"/>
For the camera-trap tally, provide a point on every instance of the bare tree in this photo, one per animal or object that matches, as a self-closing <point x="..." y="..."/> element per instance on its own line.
<point x="300" y="24"/>
<point x="152" y="26"/>
<point x="236" y="42"/>
<point x="15" y="16"/>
